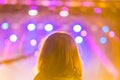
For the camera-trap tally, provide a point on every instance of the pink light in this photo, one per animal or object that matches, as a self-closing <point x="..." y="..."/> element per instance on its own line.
<point x="111" y="34"/>
<point x="97" y="10"/>
<point x="51" y="3"/>
<point x="83" y="33"/>
<point x="12" y="2"/>
<point x="45" y="3"/>
<point x="68" y="3"/>
<point x="88" y="4"/>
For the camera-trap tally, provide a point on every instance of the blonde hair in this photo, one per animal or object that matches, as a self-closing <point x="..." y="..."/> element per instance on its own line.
<point x="59" y="58"/>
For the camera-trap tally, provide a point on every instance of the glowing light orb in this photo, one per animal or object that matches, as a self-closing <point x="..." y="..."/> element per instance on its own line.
<point x="78" y="39"/>
<point x="77" y="28"/>
<point x="105" y="29"/>
<point x="48" y="27"/>
<point x="33" y="42"/>
<point x="5" y="26"/>
<point x="13" y="38"/>
<point x="32" y="12"/>
<point x="103" y="40"/>
<point x="31" y="27"/>
<point x="83" y="33"/>
<point x="64" y="13"/>
<point x="111" y="34"/>
<point x="98" y="10"/>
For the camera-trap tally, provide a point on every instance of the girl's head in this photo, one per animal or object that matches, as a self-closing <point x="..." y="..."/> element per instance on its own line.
<point x="59" y="56"/>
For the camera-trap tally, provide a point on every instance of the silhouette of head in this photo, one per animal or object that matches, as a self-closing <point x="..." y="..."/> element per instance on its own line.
<point x="59" y="57"/>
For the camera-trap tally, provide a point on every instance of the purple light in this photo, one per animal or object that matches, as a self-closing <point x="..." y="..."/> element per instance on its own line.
<point x="97" y="10"/>
<point x="2" y="1"/>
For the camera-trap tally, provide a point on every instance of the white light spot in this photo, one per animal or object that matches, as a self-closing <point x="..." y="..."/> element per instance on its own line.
<point x="64" y="13"/>
<point x="33" y="42"/>
<point x="32" y="12"/>
<point x="31" y="27"/>
<point x="13" y="38"/>
<point x="77" y="28"/>
<point x="48" y="27"/>
<point x="78" y="39"/>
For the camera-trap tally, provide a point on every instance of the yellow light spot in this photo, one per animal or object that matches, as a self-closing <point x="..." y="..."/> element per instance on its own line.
<point x="102" y="4"/>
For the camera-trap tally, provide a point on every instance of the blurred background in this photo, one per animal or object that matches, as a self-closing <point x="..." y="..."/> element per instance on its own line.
<point x="94" y="24"/>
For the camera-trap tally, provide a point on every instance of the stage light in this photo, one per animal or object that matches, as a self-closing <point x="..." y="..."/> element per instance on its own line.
<point x="98" y="10"/>
<point x="31" y="27"/>
<point x="111" y="34"/>
<point x="105" y="29"/>
<point x="64" y="13"/>
<point x="88" y="3"/>
<point x="13" y="38"/>
<point x="77" y="28"/>
<point x="5" y="26"/>
<point x="33" y="42"/>
<point x="32" y="12"/>
<point x="103" y="40"/>
<point x="83" y="33"/>
<point x="102" y="4"/>
<point x="78" y="39"/>
<point x="48" y="27"/>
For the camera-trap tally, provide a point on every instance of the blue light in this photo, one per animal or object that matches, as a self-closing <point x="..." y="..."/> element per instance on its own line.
<point x="77" y="28"/>
<point x="105" y="29"/>
<point x="31" y="27"/>
<point x="5" y="26"/>
<point x="103" y="40"/>
<point x="48" y="27"/>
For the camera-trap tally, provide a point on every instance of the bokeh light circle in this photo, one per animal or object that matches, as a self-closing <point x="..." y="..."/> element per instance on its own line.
<point x="48" y="27"/>
<point x="13" y="38"/>
<point x="77" y="28"/>
<point x="78" y="39"/>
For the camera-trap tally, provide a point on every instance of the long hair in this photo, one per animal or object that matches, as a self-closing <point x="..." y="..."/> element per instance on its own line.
<point x="59" y="58"/>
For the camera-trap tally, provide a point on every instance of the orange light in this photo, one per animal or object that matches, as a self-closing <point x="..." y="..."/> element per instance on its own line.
<point x="102" y="4"/>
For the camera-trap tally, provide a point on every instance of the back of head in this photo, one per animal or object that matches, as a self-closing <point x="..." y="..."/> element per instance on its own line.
<point x="59" y="58"/>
